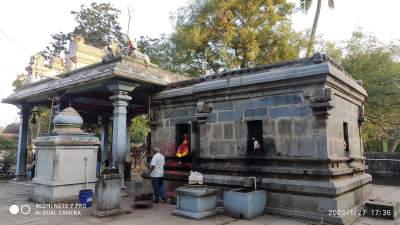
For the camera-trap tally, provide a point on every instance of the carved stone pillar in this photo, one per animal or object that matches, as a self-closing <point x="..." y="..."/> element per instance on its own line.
<point x="120" y="102"/>
<point x="202" y="112"/>
<point x="22" y="142"/>
<point x="321" y="104"/>
<point x="104" y="140"/>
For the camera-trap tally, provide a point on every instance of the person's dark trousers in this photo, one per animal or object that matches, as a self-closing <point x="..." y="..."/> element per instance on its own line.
<point x="158" y="188"/>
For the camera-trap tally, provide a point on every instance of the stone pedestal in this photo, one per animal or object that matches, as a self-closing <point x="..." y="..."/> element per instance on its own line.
<point x="66" y="160"/>
<point x="196" y="201"/>
<point x="108" y="194"/>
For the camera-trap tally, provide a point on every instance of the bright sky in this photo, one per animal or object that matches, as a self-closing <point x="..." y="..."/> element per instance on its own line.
<point x="25" y="27"/>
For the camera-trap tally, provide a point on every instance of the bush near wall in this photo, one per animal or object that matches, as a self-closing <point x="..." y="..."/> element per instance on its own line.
<point x="6" y="144"/>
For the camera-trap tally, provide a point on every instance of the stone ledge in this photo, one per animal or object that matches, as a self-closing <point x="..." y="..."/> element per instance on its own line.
<point x="277" y="158"/>
<point x="45" y="199"/>
<point x="198" y="192"/>
<point x="314" y="216"/>
<point x="324" y="188"/>
<point x="282" y="170"/>
<point x="63" y="182"/>
<point x="315" y="188"/>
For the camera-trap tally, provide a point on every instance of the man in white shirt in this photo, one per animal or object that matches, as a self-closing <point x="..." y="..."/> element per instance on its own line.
<point x="156" y="174"/>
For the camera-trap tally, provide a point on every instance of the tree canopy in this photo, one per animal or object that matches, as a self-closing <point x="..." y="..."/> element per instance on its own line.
<point x="98" y="24"/>
<point x="228" y="34"/>
<point x="219" y="35"/>
<point x="377" y="65"/>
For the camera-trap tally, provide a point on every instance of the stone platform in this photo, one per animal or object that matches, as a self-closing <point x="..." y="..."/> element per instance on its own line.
<point x="17" y="193"/>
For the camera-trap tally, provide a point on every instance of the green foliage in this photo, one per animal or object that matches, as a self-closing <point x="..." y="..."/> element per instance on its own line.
<point x="139" y="128"/>
<point x="39" y="121"/>
<point x="9" y="150"/>
<point x="58" y="45"/>
<point x="10" y="157"/>
<point x="5" y="143"/>
<point x="162" y="52"/>
<point x="305" y="5"/>
<point x="98" y="24"/>
<point x="377" y="65"/>
<point x="332" y="49"/>
<point x="17" y="83"/>
<point x="227" y="34"/>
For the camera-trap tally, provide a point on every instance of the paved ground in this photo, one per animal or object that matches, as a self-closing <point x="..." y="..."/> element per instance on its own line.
<point x="12" y="193"/>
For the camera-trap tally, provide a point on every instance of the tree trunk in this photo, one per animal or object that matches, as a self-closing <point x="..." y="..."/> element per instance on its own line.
<point x="314" y="29"/>
<point x="392" y="145"/>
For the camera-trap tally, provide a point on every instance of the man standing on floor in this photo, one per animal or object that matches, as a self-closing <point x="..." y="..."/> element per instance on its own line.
<point x="156" y="175"/>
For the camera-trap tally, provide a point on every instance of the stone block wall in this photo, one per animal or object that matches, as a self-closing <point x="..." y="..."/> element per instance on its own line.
<point x="286" y="123"/>
<point x="168" y="118"/>
<point x="384" y="167"/>
<point x="289" y="126"/>
<point x="345" y="110"/>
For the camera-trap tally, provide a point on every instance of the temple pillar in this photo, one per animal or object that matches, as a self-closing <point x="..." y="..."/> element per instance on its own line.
<point x="104" y="132"/>
<point x="22" y="142"/>
<point x="120" y="100"/>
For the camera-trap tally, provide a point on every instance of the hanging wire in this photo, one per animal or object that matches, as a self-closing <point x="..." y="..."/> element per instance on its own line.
<point x="15" y="42"/>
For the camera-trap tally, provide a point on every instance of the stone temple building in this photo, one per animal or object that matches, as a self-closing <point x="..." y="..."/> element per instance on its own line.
<point x="305" y="114"/>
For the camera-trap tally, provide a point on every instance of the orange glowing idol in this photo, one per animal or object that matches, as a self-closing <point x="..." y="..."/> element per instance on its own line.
<point x="183" y="148"/>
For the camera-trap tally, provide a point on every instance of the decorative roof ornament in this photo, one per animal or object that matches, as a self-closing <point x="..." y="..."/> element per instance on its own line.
<point x="132" y="51"/>
<point x="79" y="39"/>
<point x="320" y="57"/>
<point x="111" y="51"/>
<point x="68" y="121"/>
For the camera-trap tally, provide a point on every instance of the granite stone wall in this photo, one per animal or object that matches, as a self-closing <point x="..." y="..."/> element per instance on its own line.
<point x="289" y="126"/>
<point x="287" y="121"/>
<point x="168" y="118"/>
<point x="345" y="110"/>
<point x="384" y="167"/>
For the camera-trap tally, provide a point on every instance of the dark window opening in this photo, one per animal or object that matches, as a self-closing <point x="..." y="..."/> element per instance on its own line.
<point x="346" y="137"/>
<point x="183" y="131"/>
<point x="254" y="136"/>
